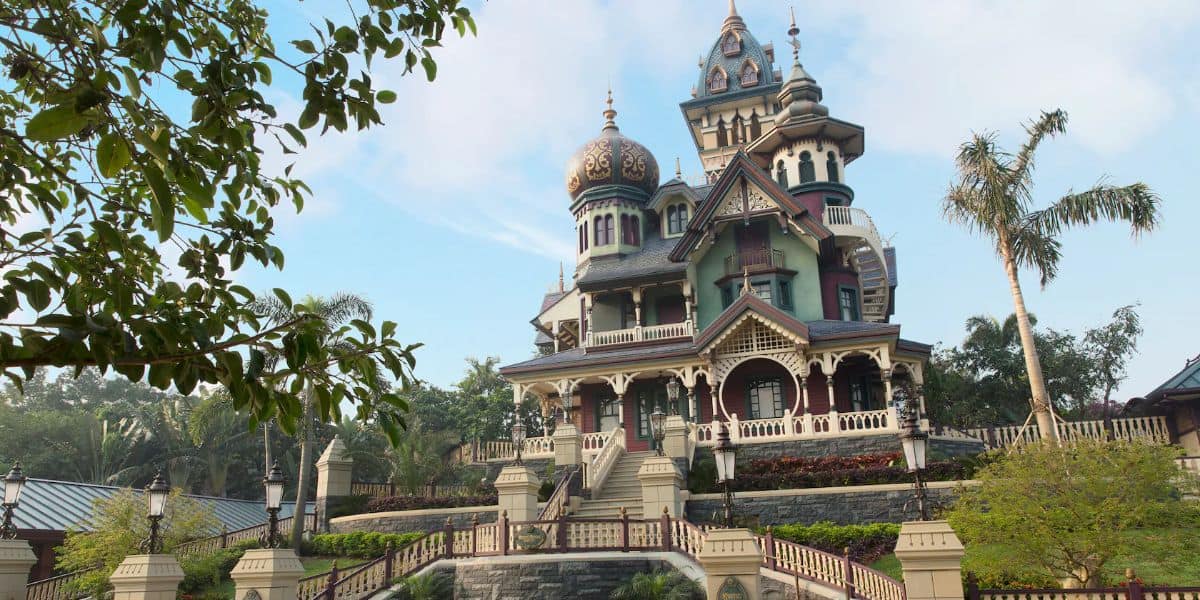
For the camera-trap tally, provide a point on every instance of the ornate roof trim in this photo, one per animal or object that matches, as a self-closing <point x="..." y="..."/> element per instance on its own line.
<point x="749" y="306"/>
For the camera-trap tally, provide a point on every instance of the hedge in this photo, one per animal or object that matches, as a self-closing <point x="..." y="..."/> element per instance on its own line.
<point x="394" y="503"/>
<point x="867" y="543"/>
<point x="792" y="472"/>
<point x="358" y="544"/>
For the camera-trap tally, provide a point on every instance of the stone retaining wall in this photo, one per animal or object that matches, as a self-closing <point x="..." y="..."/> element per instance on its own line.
<point x="412" y="520"/>
<point x="556" y="578"/>
<point x="847" y="446"/>
<point x="841" y="505"/>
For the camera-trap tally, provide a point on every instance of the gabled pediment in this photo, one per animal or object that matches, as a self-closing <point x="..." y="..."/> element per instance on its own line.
<point x="751" y="326"/>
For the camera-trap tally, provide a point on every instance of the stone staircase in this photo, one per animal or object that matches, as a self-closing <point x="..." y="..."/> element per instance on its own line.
<point x="622" y="488"/>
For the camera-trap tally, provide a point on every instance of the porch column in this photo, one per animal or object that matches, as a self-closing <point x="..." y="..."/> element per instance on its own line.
<point x="637" y="306"/>
<point x="834" y="423"/>
<point x="886" y="375"/>
<point x="804" y="394"/>
<point x="714" y="394"/>
<point x="621" y="409"/>
<point x="918" y="377"/>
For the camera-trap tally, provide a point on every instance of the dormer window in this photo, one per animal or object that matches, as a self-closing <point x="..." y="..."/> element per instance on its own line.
<point x="677" y="218"/>
<point x="717" y="81"/>
<point x="731" y="45"/>
<point x="749" y="76"/>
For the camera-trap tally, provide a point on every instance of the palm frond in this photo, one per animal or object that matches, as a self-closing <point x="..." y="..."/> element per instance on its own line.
<point x="1135" y="204"/>
<point x="1033" y="249"/>
<point x="1048" y="124"/>
<point x="981" y="198"/>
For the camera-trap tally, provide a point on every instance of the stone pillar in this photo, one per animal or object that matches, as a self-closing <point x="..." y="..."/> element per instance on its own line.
<point x="147" y="577"/>
<point x="568" y="445"/>
<point x="333" y="478"/>
<point x="272" y="573"/>
<point x="675" y="442"/>
<point x="661" y="482"/>
<point x="16" y="559"/>
<point x="518" y="487"/>
<point x="931" y="557"/>
<point x="731" y="559"/>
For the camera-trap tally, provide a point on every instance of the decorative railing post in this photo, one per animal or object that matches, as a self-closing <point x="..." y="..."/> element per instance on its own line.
<point x="224" y="536"/>
<point x="624" y="530"/>
<point x="389" y="557"/>
<point x="972" y="587"/>
<point x="474" y="534"/>
<point x="664" y="526"/>
<point x="502" y="532"/>
<point x="769" y="547"/>
<point x="849" y="572"/>
<point x="448" y="533"/>
<point x="331" y="584"/>
<point x="1133" y="585"/>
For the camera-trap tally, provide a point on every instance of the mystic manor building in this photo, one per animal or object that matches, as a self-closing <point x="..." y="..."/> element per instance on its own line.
<point x="763" y="290"/>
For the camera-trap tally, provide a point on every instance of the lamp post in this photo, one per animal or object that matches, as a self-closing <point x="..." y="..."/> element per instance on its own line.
<point x="518" y="438"/>
<point x="273" y="483"/>
<point x="914" y="442"/>
<point x="658" y="422"/>
<point x="725" y="453"/>
<point x="14" y="482"/>
<point x="673" y="395"/>
<point x="156" y="499"/>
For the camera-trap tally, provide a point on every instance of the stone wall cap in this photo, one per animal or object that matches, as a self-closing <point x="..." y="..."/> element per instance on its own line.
<point x="16" y="553"/>
<point x="922" y="537"/>
<point x="335" y="453"/>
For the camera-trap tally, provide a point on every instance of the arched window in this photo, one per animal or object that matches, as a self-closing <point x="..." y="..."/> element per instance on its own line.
<point x="831" y="166"/>
<point x="671" y="220"/>
<point x="737" y="129"/>
<point x="755" y="127"/>
<point x="608" y="230"/>
<point x="625" y="233"/>
<point x="581" y="239"/>
<point x="749" y="74"/>
<point x="781" y="175"/>
<point x="635" y="230"/>
<point x="722" y="136"/>
<point x="717" y="81"/>
<point x="731" y="45"/>
<point x="807" y="172"/>
<point x="583" y="230"/>
<point x="598" y="233"/>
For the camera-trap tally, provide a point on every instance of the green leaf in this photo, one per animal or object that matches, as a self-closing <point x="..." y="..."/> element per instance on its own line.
<point x="283" y="297"/>
<point x="112" y="155"/>
<point x="54" y="124"/>
<point x="386" y="96"/>
<point x="162" y="208"/>
<point x="305" y="46"/>
<point x="430" y="68"/>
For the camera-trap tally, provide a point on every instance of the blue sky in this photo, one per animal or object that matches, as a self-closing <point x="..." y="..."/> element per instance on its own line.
<point x="453" y="219"/>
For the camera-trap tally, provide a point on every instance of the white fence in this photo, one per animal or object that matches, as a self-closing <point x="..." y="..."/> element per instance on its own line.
<point x="1152" y="428"/>
<point x="800" y="427"/>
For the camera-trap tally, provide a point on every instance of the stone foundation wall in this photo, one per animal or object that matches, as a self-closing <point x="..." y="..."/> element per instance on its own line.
<point x="412" y="520"/>
<point x="847" y="446"/>
<point x="593" y="579"/>
<point x="841" y="505"/>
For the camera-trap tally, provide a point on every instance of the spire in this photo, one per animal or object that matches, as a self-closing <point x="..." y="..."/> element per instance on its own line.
<point x="609" y="113"/>
<point x="793" y="31"/>
<point x="734" y="20"/>
<point x="560" y="277"/>
<point x="678" y="170"/>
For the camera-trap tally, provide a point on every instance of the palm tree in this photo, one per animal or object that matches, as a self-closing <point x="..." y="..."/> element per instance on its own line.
<point x="659" y="585"/>
<point x="993" y="197"/>
<point x="333" y="312"/>
<point x="219" y="435"/>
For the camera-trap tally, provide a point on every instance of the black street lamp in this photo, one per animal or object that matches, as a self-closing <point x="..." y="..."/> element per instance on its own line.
<point x="156" y="499"/>
<point x="658" y="427"/>
<point x="518" y="438"/>
<point x="914" y="441"/>
<point x="673" y="395"/>
<point x="14" y="482"/>
<point x="273" y="483"/>
<point x="725" y="453"/>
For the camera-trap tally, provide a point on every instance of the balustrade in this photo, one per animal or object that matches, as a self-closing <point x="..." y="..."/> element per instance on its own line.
<point x="643" y="333"/>
<point x="602" y="465"/>
<point x="1152" y="428"/>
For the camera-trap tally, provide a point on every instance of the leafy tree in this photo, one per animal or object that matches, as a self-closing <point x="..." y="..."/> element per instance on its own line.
<point x="993" y="197"/>
<point x="220" y="437"/>
<point x="132" y="186"/>
<point x="659" y="585"/>
<point x="417" y="460"/>
<point x="102" y="451"/>
<point x="118" y="528"/>
<point x="1068" y="510"/>
<point x="1110" y="348"/>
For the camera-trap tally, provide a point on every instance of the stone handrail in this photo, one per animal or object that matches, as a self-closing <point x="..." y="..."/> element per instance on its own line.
<point x="534" y="447"/>
<point x="594" y="441"/>
<point x="57" y="587"/>
<point x="641" y="333"/>
<point x="556" y="504"/>
<point x="869" y="420"/>
<point x="859" y="581"/>
<point x="602" y="465"/>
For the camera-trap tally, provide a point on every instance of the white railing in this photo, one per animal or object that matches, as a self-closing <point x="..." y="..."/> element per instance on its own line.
<point x="537" y="447"/>
<point x="852" y="221"/>
<point x="602" y="465"/>
<point x="869" y="420"/>
<point x="800" y="427"/>
<point x="642" y="333"/>
<point x="1153" y="428"/>
<point x="593" y="442"/>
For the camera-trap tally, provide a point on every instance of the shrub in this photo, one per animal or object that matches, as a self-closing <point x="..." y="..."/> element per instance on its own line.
<point x="358" y="544"/>
<point x="349" y="505"/>
<point x="867" y="543"/>
<point x="486" y="497"/>
<point x="207" y="570"/>
<point x="793" y="472"/>
<point x="659" y="585"/>
<point x="432" y="586"/>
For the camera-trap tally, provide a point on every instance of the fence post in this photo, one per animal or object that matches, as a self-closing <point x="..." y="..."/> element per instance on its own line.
<point x="849" y="572"/>
<point x="389" y="554"/>
<point x="562" y="531"/>
<point x="502" y="532"/>
<point x="474" y="533"/>
<point x="448" y="534"/>
<point x="331" y="585"/>
<point x="769" y="548"/>
<point x="1134" y="587"/>
<point x="224" y="536"/>
<point x="972" y="587"/>
<point x="624" y="530"/>
<point x="664" y="527"/>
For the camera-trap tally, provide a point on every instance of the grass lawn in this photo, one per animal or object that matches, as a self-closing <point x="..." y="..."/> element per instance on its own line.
<point x="1181" y="568"/>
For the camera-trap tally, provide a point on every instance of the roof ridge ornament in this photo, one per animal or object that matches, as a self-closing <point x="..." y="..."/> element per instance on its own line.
<point x="793" y="31"/>
<point x="609" y="113"/>
<point x="745" y="281"/>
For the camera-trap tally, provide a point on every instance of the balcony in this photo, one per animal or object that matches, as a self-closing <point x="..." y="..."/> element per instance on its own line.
<point x="853" y="222"/>
<point x="754" y="260"/>
<point x="635" y="335"/>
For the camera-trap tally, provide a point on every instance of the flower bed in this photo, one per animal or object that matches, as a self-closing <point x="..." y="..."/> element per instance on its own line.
<point x="487" y="496"/>
<point x="791" y="472"/>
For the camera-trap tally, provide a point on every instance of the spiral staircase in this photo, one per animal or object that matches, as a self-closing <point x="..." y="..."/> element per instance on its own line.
<point x="855" y="233"/>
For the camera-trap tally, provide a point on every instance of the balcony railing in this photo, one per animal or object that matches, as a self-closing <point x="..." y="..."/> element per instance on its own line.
<point x="762" y="258"/>
<point x="633" y="335"/>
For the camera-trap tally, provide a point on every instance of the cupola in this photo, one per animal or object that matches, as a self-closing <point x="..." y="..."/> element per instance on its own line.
<point x="612" y="162"/>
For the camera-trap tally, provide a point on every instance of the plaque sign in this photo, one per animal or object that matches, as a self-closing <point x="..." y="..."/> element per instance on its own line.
<point x="732" y="589"/>
<point x="530" y="538"/>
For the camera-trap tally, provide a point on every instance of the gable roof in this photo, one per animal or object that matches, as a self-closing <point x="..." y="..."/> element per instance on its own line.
<point x="650" y="263"/>
<point x="741" y="165"/>
<point x="1186" y="381"/>
<point x="749" y="303"/>
<point x="52" y="505"/>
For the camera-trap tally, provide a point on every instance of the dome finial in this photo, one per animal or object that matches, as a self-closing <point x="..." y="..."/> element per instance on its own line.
<point x="678" y="170"/>
<point x="732" y="9"/>
<point x="609" y="113"/>
<point x="793" y="31"/>
<point x="734" y="20"/>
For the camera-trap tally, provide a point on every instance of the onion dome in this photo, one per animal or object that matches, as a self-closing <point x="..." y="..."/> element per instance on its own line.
<point x="611" y="160"/>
